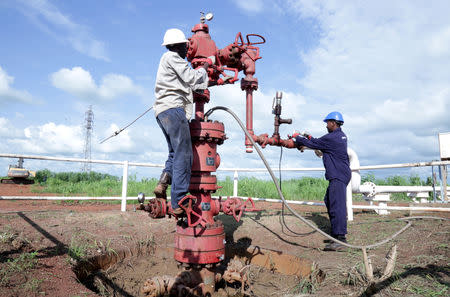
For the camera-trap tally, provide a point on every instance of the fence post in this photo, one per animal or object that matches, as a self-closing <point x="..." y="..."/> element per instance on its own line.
<point x="444" y="183"/>
<point x="235" y="184"/>
<point x="123" y="206"/>
<point x="349" y="202"/>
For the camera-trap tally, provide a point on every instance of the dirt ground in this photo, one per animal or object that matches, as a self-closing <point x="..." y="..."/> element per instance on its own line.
<point x="42" y="241"/>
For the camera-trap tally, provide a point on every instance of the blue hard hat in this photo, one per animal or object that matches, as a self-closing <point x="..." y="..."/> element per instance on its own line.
<point x="335" y="115"/>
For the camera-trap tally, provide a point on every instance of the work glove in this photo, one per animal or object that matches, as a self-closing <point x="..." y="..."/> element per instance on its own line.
<point x="318" y="153"/>
<point x="306" y="135"/>
<point x="226" y="78"/>
<point x="211" y="60"/>
<point x="295" y="134"/>
<point x="221" y="81"/>
<point x="294" y="137"/>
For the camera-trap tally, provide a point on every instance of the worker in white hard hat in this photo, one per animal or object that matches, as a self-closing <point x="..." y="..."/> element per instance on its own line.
<point x="175" y="82"/>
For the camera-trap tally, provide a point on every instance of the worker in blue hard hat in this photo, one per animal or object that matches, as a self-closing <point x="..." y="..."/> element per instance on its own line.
<point x="175" y="82"/>
<point x="333" y="147"/>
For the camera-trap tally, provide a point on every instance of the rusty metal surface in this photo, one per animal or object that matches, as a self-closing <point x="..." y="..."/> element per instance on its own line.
<point x="200" y="245"/>
<point x="199" y="238"/>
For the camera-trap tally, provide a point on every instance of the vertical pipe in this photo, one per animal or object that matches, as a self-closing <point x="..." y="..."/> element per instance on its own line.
<point x="249" y="118"/>
<point x="235" y="184"/>
<point x="433" y="176"/>
<point x="441" y="177"/>
<point x="349" y="202"/>
<point x="444" y="182"/>
<point x="123" y="206"/>
<point x="199" y="110"/>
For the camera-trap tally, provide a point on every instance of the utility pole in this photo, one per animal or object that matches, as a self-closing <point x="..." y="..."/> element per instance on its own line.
<point x="88" y="126"/>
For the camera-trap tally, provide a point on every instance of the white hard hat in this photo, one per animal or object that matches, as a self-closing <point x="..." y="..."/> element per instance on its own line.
<point x="174" y="36"/>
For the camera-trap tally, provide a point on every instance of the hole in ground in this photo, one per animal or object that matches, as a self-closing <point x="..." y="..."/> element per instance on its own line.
<point x="270" y="273"/>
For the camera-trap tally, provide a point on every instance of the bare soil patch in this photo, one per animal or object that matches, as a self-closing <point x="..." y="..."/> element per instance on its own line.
<point x="41" y="241"/>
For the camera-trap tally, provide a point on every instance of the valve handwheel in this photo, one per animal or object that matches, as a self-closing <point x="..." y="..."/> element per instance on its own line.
<point x="188" y="209"/>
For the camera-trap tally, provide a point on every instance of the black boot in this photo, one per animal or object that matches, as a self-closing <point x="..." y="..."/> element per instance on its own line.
<point x="334" y="246"/>
<point x="164" y="181"/>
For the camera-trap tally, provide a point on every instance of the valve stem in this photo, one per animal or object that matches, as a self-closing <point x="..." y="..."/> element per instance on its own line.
<point x="276" y="110"/>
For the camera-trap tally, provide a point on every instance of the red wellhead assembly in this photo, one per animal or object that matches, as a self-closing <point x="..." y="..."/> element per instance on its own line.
<point x="200" y="237"/>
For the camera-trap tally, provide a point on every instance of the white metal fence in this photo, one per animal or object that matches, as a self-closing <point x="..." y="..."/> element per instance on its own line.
<point x="363" y="189"/>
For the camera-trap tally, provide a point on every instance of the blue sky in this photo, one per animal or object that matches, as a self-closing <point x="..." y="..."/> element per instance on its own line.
<point x="385" y="65"/>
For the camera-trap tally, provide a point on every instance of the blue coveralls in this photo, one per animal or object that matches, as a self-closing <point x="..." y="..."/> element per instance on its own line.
<point x="175" y="128"/>
<point x="337" y="171"/>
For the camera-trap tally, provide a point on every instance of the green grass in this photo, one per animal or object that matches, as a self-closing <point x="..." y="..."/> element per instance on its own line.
<point x="6" y="234"/>
<point x="32" y="285"/>
<point x="433" y="288"/>
<point x="79" y="245"/>
<point x="24" y="262"/>
<point x="21" y="264"/>
<point x="306" y="188"/>
<point x="98" y="184"/>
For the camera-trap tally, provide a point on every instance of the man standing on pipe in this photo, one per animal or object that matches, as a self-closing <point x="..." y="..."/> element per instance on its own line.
<point x="175" y="82"/>
<point x="337" y="171"/>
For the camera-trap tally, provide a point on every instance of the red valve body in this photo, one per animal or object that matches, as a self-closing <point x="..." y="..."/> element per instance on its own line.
<point x="201" y="239"/>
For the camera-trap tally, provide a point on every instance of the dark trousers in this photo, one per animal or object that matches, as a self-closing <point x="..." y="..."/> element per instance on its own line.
<point x="336" y="202"/>
<point x="175" y="127"/>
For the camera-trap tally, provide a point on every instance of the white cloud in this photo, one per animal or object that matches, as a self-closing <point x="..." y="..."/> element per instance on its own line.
<point x="120" y="143"/>
<point x="7" y="129"/>
<point x="8" y="94"/>
<point x="51" y="20"/>
<point x="385" y="65"/>
<point x="50" y="138"/>
<point x="80" y="83"/>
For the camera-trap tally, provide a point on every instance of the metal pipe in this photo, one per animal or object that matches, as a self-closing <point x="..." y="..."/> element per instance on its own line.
<point x="403" y="165"/>
<point x="249" y="118"/>
<point x="123" y="205"/>
<point x="64" y="198"/>
<point x="444" y="209"/>
<point x="396" y="189"/>
<point x="354" y="163"/>
<point x="235" y="184"/>
<point x="79" y="160"/>
<point x="311" y="203"/>
<point x="279" y="201"/>
<point x="199" y="110"/>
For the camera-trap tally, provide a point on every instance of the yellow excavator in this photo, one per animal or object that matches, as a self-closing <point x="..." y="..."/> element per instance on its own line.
<point x="19" y="175"/>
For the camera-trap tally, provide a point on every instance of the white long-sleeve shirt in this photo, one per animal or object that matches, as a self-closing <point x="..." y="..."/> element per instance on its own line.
<point x="175" y="81"/>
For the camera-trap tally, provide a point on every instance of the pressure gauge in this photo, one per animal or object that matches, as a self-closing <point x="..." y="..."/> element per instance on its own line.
<point x="209" y="16"/>
<point x="141" y="198"/>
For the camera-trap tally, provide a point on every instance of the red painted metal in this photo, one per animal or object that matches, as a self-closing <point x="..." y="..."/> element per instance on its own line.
<point x="200" y="238"/>
<point x="200" y="245"/>
<point x="249" y="117"/>
<point x="237" y="206"/>
<point x="157" y="208"/>
<point x="200" y="100"/>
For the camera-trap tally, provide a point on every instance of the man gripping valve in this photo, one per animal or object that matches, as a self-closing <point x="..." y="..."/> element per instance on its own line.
<point x="333" y="146"/>
<point x="175" y="82"/>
